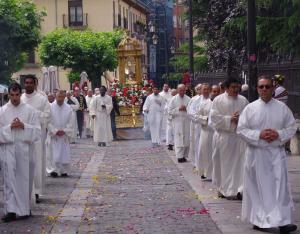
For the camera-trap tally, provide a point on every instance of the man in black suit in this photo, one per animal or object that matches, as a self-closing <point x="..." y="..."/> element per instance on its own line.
<point x="80" y="111"/>
<point x="113" y="113"/>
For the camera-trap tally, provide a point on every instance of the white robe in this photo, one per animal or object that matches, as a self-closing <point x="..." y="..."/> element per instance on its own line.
<point x="74" y="107"/>
<point x="89" y="122"/>
<point x="154" y="107"/>
<point x="169" y="129"/>
<point x="41" y="104"/>
<point x="166" y="96"/>
<point x="16" y="149"/>
<point x="267" y="198"/>
<point x="195" y="128"/>
<point x="62" y="118"/>
<point x="102" y="123"/>
<point x="181" y="125"/>
<point x="204" y="157"/>
<point x="229" y="147"/>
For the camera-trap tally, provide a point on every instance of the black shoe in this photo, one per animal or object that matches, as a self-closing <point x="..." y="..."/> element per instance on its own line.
<point x="184" y="160"/>
<point x="239" y="196"/>
<point x="220" y="195"/>
<point x="103" y="144"/>
<point x="37" y="199"/>
<point x="170" y="147"/>
<point x="64" y="175"/>
<point x="260" y="229"/>
<point x="53" y="174"/>
<point x="100" y="144"/>
<point x="9" y="217"/>
<point x="288" y="228"/>
<point x="203" y="177"/>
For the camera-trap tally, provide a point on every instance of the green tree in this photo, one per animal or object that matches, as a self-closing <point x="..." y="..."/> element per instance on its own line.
<point x="20" y="24"/>
<point x="81" y="51"/>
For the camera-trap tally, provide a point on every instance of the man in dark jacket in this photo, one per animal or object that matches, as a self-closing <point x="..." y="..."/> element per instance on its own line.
<point x="113" y="113"/>
<point x="80" y="111"/>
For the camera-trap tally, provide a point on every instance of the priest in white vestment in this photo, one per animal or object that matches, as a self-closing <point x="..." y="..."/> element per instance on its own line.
<point x="19" y="130"/>
<point x="194" y="125"/>
<point x="170" y="128"/>
<point x="154" y="107"/>
<point x="41" y="104"/>
<point x="229" y="147"/>
<point x="181" y="123"/>
<point x="101" y="106"/>
<point x="60" y="130"/>
<point x="204" y="157"/>
<point x="89" y="122"/>
<point x="166" y="94"/>
<point x="266" y="125"/>
<point x="74" y="104"/>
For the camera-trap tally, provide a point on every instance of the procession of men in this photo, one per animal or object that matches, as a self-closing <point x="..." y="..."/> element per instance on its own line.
<point x="239" y="147"/>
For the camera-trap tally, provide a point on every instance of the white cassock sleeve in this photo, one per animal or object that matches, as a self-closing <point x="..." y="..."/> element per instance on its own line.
<point x="290" y="127"/>
<point x="219" y="121"/>
<point x="146" y="106"/>
<point x="45" y="114"/>
<point x="93" y="106"/>
<point x="190" y="110"/>
<point x="6" y="135"/>
<point x="32" y="130"/>
<point x="108" y="105"/>
<point x="173" y="110"/>
<point x="69" y="128"/>
<point x="251" y="136"/>
<point x="200" y="116"/>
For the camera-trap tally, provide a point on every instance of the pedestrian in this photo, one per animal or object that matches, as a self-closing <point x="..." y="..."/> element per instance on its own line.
<point x="114" y="111"/>
<point x="166" y="94"/>
<point x="89" y="122"/>
<point x="20" y="129"/>
<point x="146" y="127"/>
<point x="204" y="157"/>
<point x="51" y="97"/>
<point x="60" y="131"/>
<point x="170" y="129"/>
<point x="181" y="123"/>
<point x="80" y="112"/>
<point x="266" y="125"/>
<point x="280" y="92"/>
<point x="229" y="148"/>
<point x="194" y="125"/>
<point x="215" y="91"/>
<point x="41" y="104"/>
<point x="101" y="107"/>
<point x="74" y="104"/>
<point x="154" y="107"/>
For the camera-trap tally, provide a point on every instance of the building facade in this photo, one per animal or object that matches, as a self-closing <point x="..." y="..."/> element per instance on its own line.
<point x="97" y="15"/>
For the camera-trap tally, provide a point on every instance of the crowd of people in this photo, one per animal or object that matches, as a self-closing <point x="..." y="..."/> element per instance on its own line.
<point x="238" y="146"/>
<point x="36" y="130"/>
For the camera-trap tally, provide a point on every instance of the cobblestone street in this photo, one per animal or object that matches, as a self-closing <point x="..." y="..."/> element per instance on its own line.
<point x="130" y="187"/>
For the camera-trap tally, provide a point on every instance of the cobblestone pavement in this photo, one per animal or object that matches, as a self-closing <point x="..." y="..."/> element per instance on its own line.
<point x="130" y="187"/>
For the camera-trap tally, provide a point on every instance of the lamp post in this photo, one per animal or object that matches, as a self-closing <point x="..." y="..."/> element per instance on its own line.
<point x="191" y="48"/>
<point x="252" y="57"/>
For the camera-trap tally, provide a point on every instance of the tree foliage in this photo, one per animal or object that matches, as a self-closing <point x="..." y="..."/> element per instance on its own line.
<point x="222" y="24"/>
<point x="81" y="51"/>
<point x="20" y="23"/>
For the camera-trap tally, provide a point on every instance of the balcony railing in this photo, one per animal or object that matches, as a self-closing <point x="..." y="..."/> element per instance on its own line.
<point x="67" y="23"/>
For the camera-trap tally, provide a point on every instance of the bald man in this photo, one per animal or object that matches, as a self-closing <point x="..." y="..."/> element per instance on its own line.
<point x="181" y="122"/>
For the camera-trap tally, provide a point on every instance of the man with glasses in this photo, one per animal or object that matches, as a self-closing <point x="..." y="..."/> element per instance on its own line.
<point x="229" y="148"/>
<point x="266" y="125"/>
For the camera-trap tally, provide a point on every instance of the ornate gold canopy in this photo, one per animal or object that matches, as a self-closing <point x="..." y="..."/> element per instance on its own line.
<point x="129" y="59"/>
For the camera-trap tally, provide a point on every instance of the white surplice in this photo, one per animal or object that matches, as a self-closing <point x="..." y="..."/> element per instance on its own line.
<point x="41" y="104"/>
<point x="16" y="149"/>
<point x="62" y="118"/>
<point x="75" y="107"/>
<point x="229" y="147"/>
<point x="102" y="123"/>
<point x="195" y="128"/>
<point x="267" y="199"/>
<point x="204" y="157"/>
<point x="154" y="107"/>
<point x="166" y="96"/>
<point x="89" y="122"/>
<point x="181" y="125"/>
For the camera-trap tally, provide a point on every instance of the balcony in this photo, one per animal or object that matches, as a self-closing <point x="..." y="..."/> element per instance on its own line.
<point x="79" y="23"/>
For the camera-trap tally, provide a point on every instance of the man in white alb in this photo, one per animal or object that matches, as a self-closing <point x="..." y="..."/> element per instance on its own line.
<point x="74" y="104"/>
<point x="19" y="130"/>
<point x="166" y="94"/>
<point x="229" y="147"/>
<point x="266" y="125"/>
<point x="41" y="104"/>
<point x="170" y="129"/>
<point x="154" y="107"/>
<point x="181" y="123"/>
<point x="89" y="122"/>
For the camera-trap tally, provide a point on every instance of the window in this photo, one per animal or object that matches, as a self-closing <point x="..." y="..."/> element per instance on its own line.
<point x="75" y="13"/>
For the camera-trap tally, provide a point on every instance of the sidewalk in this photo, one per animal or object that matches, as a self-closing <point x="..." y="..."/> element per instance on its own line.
<point x="226" y="213"/>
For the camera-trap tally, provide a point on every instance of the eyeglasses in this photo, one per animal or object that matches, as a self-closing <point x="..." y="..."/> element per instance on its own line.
<point x="264" y="86"/>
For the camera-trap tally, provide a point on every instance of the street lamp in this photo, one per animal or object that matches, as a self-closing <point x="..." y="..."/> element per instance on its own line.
<point x="172" y="49"/>
<point x="151" y="27"/>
